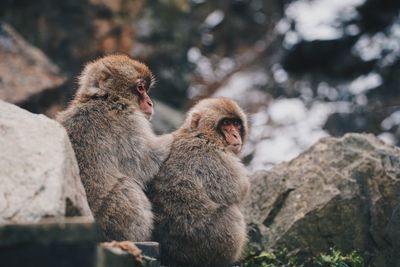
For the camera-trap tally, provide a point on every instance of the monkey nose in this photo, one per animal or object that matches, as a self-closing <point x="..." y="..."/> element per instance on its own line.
<point x="150" y="103"/>
<point x="234" y="134"/>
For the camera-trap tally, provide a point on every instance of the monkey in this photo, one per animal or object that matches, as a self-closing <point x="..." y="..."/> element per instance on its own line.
<point x="116" y="149"/>
<point x="197" y="192"/>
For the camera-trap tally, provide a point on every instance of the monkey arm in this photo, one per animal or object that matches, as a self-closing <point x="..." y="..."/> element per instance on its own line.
<point x="161" y="144"/>
<point x="223" y="179"/>
<point x="188" y="222"/>
<point x="177" y="195"/>
<point x="124" y="212"/>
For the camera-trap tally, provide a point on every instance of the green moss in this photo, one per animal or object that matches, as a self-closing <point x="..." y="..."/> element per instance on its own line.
<point x="335" y="258"/>
<point x="281" y="258"/>
<point x="276" y="258"/>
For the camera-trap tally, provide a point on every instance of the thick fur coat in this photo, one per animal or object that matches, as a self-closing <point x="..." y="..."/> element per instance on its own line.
<point x="197" y="193"/>
<point x="115" y="147"/>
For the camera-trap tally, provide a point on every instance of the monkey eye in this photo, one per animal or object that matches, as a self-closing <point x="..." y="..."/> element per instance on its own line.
<point x="237" y="123"/>
<point x="226" y="122"/>
<point x="141" y="88"/>
<point x="234" y="122"/>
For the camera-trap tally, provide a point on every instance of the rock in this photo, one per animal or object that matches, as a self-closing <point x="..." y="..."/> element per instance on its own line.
<point x="341" y="192"/>
<point x="112" y="256"/>
<point x="65" y="242"/>
<point x="24" y="70"/>
<point x="149" y="249"/>
<point x="39" y="174"/>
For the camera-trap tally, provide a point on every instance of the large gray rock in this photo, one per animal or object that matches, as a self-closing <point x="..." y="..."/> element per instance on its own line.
<point x="25" y="71"/>
<point x="341" y="192"/>
<point x="39" y="175"/>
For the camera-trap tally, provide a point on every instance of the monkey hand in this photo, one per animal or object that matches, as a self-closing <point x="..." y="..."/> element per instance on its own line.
<point x="129" y="247"/>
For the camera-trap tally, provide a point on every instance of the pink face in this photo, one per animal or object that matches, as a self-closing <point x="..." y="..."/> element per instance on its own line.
<point x="231" y="130"/>
<point x="145" y="103"/>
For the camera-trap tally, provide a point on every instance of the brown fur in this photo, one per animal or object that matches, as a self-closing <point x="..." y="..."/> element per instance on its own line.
<point x="197" y="193"/>
<point x="116" y="149"/>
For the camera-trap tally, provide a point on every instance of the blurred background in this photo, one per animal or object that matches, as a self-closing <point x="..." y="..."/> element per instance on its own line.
<point x="301" y="69"/>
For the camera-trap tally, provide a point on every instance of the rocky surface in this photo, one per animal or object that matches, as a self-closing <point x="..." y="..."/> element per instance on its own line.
<point x="66" y="242"/>
<point x="24" y="70"/>
<point x="39" y="174"/>
<point x="114" y="256"/>
<point x="52" y="242"/>
<point x="341" y="192"/>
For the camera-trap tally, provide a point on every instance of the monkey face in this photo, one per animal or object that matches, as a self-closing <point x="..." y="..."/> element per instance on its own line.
<point x="141" y="89"/>
<point x="221" y="120"/>
<point x="231" y="129"/>
<point x="125" y="77"/>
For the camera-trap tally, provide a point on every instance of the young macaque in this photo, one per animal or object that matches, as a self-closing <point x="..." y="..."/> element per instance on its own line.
<point x="197" y="193"/>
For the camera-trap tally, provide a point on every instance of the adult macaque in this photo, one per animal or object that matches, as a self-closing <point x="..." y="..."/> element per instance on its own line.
<point x="116" y="150"/>
<point x="197" y="193"/>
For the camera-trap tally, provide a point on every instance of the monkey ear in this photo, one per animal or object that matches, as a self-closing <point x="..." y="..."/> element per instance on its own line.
<point x="104" y="76"/>
<point x="194" y="120"/>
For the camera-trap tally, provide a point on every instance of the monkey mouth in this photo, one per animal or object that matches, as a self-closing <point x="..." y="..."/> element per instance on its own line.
<point x="235" y="148"/>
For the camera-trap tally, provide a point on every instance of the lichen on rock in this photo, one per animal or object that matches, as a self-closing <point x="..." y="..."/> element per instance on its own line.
<point x="342" y="192"/>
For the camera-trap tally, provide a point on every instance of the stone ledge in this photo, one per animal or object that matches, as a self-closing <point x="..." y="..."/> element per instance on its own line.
<point x="114" y="257"/>
<point x="63" y="242"/>
<point x="68" y="230"/>
<point x="71" y="242"/>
